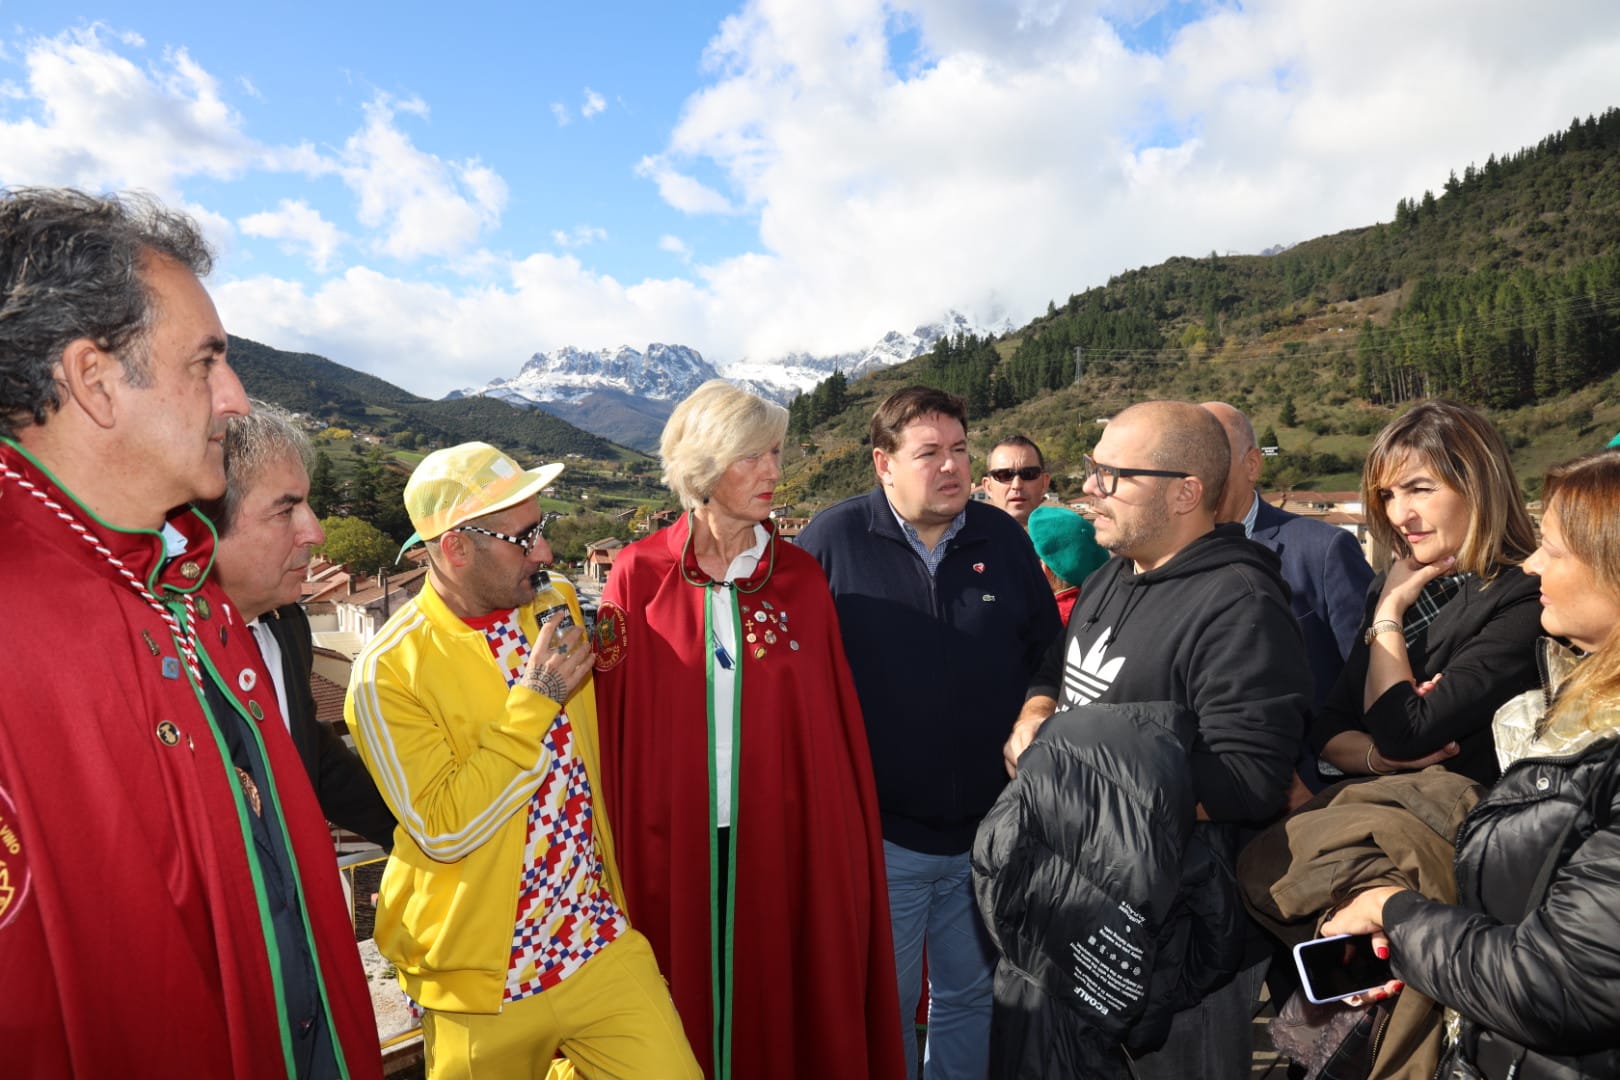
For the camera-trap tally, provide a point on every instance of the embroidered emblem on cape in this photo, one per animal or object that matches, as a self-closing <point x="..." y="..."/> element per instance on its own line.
<point x="167" y="733"/>
<point x="14" y="876"/>
<point x="978" y="568"/>
<point x="1087" y="678"/>
<point x="608" y="640"/>
<point x="769" y="626"/>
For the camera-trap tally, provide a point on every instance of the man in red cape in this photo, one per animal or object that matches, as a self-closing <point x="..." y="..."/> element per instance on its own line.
<point x="169" y="904"/>
<point x="812" y="991"/>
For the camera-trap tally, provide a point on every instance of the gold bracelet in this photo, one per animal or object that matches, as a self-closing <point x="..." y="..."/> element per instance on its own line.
<point x="1371" y="746"/>
<point x="1380" y="626"/>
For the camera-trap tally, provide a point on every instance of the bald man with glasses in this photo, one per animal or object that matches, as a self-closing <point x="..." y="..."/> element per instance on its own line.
<point x="1193" y="616"/>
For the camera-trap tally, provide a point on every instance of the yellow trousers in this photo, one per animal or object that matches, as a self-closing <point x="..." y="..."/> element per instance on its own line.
<point x="613" y="1019"/>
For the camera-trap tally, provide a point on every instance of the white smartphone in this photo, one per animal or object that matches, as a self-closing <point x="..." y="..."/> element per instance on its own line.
<point x="1334" y="968"/>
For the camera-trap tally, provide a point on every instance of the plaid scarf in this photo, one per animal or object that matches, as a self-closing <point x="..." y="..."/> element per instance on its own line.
<point x="1426" y="608"/>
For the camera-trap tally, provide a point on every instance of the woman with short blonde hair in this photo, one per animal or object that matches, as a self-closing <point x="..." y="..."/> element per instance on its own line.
<point x="736" y="769"/>
<point x="718" y="425"/>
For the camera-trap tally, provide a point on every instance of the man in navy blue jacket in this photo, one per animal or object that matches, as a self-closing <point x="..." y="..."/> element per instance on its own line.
<point x="1323" y="565"/>
<point x="945" y="616"/>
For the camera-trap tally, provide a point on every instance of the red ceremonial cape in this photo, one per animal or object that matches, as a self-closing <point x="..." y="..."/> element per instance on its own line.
<point x="813" y="982"/>
<point x="130" y="929"/>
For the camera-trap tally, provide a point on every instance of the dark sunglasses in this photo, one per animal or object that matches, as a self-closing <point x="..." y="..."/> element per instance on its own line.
<point x="525" y="539"/>
<point x="1005" y="476"/>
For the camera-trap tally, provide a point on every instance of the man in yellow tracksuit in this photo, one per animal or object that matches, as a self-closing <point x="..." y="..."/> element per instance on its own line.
<point x="474" y="711"/>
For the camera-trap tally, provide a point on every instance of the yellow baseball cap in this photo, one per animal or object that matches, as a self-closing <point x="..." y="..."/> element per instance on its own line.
<point x="459" y="483"/>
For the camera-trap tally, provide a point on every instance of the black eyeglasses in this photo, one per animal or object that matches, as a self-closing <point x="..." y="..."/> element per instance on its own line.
<point x="1107" y="476"/>
<point x="525" y="539"/>
<point x="1027" y="474"/>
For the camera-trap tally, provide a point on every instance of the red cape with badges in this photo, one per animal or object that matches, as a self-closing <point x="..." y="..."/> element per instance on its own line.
<point x="813" y="961"/>
<point x="130" y="933"/>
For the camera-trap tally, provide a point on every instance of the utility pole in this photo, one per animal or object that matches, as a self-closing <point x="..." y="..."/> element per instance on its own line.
<point x="1079" y="363"/>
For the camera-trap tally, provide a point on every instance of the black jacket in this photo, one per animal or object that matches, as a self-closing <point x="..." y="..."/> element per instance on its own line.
<point x="1110" y="911"/>
<point x="1483" y="642"/>
<point x="1549" y="981"/>
<point x="347" y="794"/>
<point x="940" y="663"/>
<point x="1211" y="631"/>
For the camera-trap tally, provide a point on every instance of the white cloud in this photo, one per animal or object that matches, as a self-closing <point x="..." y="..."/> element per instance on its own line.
<point x="104" y="121"/>
<point x="683" y="192"/>
<point x="420" y="204"/>
<point x="675" y="246"/>
<point x="560" y="111"/>
<point x="300" y="227"/>
<point x="248" y="88"/>
<point x="431" y="338"/>
<point x="579" y="236"/>
<point x="594" y="103"/>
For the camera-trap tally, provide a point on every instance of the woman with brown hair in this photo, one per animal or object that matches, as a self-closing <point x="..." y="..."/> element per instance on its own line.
<point x="1527" y="962"/>
<point x="1449" y="626"/>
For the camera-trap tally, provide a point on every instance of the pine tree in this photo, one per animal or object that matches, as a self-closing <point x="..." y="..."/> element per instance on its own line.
<point x="322" y="485"/>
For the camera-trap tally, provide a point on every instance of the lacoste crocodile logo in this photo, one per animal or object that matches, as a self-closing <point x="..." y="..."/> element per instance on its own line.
<point x="1087" y="678"/>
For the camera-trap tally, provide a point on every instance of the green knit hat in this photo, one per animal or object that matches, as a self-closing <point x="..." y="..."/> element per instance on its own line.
<point x="1066" y="542"/>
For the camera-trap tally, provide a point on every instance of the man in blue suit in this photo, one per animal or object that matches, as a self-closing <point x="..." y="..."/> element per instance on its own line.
<point x="1323" y="565"/>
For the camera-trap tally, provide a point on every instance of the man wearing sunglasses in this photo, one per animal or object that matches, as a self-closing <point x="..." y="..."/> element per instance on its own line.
<point x="501" y="908"/>
<point x="1015" y="478"/>
<point x="1192" y="618"/>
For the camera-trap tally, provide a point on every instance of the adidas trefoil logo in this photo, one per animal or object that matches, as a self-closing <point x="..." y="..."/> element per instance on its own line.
<point x="1087" y="678"/>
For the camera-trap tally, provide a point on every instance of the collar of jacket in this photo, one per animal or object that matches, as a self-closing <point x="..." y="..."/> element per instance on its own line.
<point x="142" y="551"/>
<point x="881" y="521"/>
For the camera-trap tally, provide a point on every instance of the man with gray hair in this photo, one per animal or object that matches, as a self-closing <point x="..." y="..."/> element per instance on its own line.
<point x="152" y="819"/>
<point x="266" y="531"/>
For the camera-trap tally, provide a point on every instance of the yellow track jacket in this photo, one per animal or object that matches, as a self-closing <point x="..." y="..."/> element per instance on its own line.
<point x="457" y="756"/>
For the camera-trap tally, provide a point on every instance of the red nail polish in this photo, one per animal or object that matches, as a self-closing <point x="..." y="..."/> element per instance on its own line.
<point x="1382" y="952"/>
<point x="1399" y="986"/>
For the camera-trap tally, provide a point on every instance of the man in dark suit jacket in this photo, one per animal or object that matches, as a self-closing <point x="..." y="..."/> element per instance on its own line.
<point x="1323" y="565"/>
<point x="346" y="792"/>
<point x="266" y="530"/>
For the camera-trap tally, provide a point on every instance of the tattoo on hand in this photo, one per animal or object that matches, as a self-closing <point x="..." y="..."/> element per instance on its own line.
<point x="548" y="682"/>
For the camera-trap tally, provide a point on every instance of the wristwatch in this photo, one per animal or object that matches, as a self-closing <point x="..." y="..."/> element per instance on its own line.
<point x="1380" y="626"/>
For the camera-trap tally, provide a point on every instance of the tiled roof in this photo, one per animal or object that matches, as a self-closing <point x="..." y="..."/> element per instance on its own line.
<point x="328" y="700"/>
<point x="370" y="593"/>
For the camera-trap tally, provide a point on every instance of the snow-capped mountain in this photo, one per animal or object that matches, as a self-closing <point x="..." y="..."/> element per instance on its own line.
<point x="785" y="377"/>
<point x="569" y="375"/>
<point x="625" y="394"/>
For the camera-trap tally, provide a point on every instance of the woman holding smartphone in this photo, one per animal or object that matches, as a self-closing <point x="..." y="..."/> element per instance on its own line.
<point x="1530" y="958"/>
<point x="1449" y="626"/>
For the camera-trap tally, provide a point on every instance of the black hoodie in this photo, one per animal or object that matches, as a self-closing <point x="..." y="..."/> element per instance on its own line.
<point x="1210" y="630"/>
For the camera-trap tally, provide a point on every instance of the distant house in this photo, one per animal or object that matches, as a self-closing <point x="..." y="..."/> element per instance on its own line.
<point x="1339" y="508"/>
<point x="364" y="604"/>
<point x="599" y="557"/>
<point x="657" y="520"/>
<point x="789" y="527"/>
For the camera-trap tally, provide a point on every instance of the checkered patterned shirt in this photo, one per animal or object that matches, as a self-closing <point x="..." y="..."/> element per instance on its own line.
<point x="931" y="559"/>
<point x="565" y="914"/>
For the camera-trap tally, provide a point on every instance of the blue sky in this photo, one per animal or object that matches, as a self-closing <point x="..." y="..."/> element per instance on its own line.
<point x="433" y="193"/>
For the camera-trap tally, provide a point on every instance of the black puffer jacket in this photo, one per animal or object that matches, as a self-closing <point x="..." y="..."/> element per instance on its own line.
<point x="1541" y="992"/>
<point x="1110" y="910"/>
